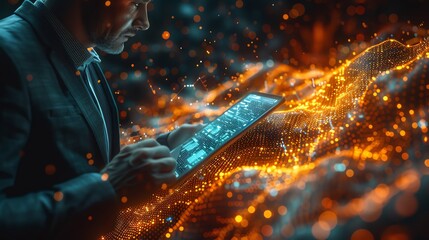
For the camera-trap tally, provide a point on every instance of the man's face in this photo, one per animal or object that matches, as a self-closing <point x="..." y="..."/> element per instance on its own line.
<point x="110" y="23"/>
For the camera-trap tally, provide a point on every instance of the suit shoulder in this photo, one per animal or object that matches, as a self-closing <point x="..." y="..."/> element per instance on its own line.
<point x="19" y="42"/>
<point x="18" y="38"/>
<point x="14" y="30"/>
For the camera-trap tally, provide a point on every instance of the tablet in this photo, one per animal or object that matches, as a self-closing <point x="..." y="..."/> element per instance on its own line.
<point x="224" y="130"/>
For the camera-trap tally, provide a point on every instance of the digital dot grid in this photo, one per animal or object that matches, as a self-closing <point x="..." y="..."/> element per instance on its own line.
<point x="346" y="157"/>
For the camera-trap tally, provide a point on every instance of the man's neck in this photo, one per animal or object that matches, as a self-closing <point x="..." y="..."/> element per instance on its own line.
<point x="69" y="13"/>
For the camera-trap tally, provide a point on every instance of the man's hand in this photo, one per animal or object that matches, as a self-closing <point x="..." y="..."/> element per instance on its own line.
<point x="181" y="134"/>
<point x="140" y="169"/>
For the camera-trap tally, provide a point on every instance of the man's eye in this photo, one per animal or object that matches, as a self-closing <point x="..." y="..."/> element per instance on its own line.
<point x="138" y="5"/>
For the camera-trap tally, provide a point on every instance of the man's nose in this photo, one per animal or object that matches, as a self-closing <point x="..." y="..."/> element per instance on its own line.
<point x="142" y="20"/>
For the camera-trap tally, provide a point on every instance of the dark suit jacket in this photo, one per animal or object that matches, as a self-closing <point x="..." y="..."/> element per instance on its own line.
<point x="51" y="142"/>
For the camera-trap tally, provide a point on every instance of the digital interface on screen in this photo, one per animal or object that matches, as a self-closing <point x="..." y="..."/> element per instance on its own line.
<point x="223" y="129"/>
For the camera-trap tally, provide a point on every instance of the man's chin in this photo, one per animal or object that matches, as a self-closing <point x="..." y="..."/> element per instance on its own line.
<point x="111" y="49"/>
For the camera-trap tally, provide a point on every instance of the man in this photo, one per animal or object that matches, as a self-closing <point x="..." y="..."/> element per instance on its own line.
<point x="62" y="174"/>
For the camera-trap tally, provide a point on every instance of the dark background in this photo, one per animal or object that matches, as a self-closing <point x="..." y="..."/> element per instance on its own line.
<point x="215" y="40"/>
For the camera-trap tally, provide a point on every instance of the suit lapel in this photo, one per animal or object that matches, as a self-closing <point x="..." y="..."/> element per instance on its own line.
<point x="77" y="89"/>
<point x="113" y="109"/>
<point x="66" y="71"/>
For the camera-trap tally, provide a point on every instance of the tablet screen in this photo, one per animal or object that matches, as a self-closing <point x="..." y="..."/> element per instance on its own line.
<point x="224" y="129"/>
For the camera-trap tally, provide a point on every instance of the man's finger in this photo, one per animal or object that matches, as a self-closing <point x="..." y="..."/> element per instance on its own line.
<point x="141" y="155"/>
<point x="147" y="143"/>
<point x="160" y="152"/>
<point x="164" y="165"/>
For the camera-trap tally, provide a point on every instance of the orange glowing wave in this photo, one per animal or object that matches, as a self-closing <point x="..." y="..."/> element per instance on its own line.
<point x="347" y="156"/>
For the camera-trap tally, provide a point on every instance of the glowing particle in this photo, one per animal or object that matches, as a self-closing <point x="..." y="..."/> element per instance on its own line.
<point x="124" y="55"/>
<point x="270" y="63"/>
<point x="165" y="35"/>
<point x="50" y="169"/>
<point x="267" y="230"/>
<point x="238" y="218"/>
<point x="268" y="214"/>
<point x="423" y="123"/>
<point x="339" y="167"/>
<point x="104" y="176"/>
<point x="327" y="202"/>
<point x="273" y="192"/>
<point x="381" y="192"/>
<point x="107" y="3"/>
<point x="328" y="217"/>
<point x="197" y="18"/>
<point x="251" y="209"/>
<point x="320" y="230"/>
<point x="362" y="234"/>
<point x="244" y="223"/>
<point x="398" y="149"/>
<point x="58" y="196"/>
<point x="123" y="75"/>
<point x="349" y="173"/>
<point x="285" y="16"/>
<point x="282" y="210"/>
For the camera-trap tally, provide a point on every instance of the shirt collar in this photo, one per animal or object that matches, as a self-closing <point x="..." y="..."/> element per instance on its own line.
<point x="94" y="57"/>
<point x="79" y="54"/>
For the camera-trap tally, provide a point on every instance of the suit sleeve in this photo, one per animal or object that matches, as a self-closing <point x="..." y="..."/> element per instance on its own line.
<point x="38" y="214"/>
